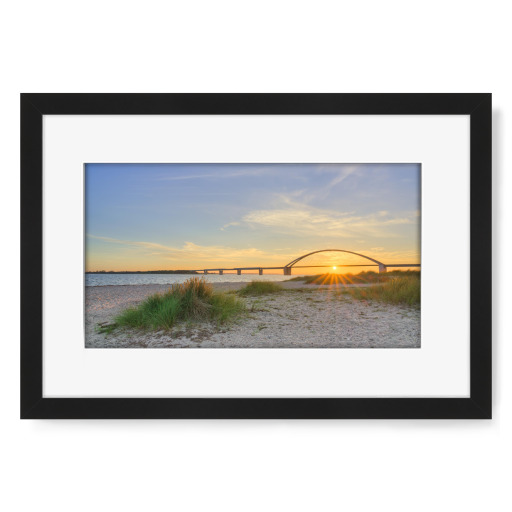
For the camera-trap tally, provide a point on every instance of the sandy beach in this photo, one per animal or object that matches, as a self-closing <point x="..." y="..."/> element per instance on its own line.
<point x="308" y="316"/>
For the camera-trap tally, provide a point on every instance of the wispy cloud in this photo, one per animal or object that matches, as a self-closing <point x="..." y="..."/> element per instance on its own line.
<point x="191" y="252"/>
<point x="301" y="218"/>
<point x="220" y="174"/>
<point x="229" y="224"/>
<point x="341" y="173"/>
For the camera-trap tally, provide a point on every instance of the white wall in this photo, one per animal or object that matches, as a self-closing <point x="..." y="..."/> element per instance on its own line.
<point x="266" y="46"/>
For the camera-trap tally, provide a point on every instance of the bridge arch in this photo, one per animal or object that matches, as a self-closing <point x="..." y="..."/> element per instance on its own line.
<point x="288" y="266"/>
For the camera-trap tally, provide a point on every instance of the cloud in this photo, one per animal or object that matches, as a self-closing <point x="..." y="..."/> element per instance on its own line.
<point x="230" y="224"/>
<point x="300" y="218"/>
<point x="341" y="174"/>
<point x="220" y="174"/>
<point x="193" y="253"/>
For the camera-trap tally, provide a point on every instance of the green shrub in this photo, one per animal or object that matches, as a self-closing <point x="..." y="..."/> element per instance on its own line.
<point x="260" y="288"/>
<point x="398" y="290"/>
<point x="192" y="301"/>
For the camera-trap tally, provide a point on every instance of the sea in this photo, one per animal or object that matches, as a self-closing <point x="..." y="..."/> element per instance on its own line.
<point x="131" y="279"/>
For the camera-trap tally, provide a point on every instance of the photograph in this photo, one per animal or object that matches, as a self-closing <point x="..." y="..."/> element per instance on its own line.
<point x="255" y="256"/>
<point x="252" y="255"/>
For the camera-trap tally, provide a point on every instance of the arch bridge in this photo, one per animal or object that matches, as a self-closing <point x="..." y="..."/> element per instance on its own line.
<point x="287" y="269"/>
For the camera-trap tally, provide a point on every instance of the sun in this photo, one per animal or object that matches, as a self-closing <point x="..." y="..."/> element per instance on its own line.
<point x="334" y="268"/>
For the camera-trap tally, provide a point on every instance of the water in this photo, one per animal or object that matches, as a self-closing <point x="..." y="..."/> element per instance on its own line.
<point x="123" y="279"/>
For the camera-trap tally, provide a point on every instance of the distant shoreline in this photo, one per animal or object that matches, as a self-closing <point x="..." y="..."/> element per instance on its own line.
<point x="187" y="272"/>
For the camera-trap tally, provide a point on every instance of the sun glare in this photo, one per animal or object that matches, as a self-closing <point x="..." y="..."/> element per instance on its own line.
<point x="334" y="268"/>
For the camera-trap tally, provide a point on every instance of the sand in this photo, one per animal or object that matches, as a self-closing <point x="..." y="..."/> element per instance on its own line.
<point x="307" y="316"/>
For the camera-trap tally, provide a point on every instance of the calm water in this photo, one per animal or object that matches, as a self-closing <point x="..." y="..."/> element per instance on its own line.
<point x="120" y="279"/>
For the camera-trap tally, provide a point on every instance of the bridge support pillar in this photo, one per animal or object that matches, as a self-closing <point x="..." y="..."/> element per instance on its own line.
<point x="260" y="271"/>
<point x="382" y="268"/>
<point x="238" y="271"/>
<point x="287" y="271"/>
<point x="221" y="272"/>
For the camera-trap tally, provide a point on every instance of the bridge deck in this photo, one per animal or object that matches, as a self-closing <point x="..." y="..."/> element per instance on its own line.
<point x="287" y="269"/>
<point x="233" y="269"/>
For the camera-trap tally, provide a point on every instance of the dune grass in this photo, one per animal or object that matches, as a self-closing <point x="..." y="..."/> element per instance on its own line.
<point x="398" y="290"/>
<point x="260" y="288"/>
<point x="300" y="278"/>
<point x="366" y="277"/>
<point x="192" y="301"/>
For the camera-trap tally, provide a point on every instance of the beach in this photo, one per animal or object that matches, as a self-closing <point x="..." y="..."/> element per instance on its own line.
<point x="301" y="316"/>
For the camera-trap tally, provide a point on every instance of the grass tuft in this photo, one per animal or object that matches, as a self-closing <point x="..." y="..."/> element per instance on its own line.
<point x="398" y="290"/>
<point x="260" y="288"/>
<point x="192" y="301"/>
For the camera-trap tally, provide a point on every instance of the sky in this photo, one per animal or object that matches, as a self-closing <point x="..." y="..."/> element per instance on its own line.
<point x="194" y="216"/>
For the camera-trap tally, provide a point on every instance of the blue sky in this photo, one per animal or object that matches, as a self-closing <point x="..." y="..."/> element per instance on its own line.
<point x="183" y="216"/>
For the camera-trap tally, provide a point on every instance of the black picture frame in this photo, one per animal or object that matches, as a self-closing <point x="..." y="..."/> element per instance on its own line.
<point x="35" y="106"/>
